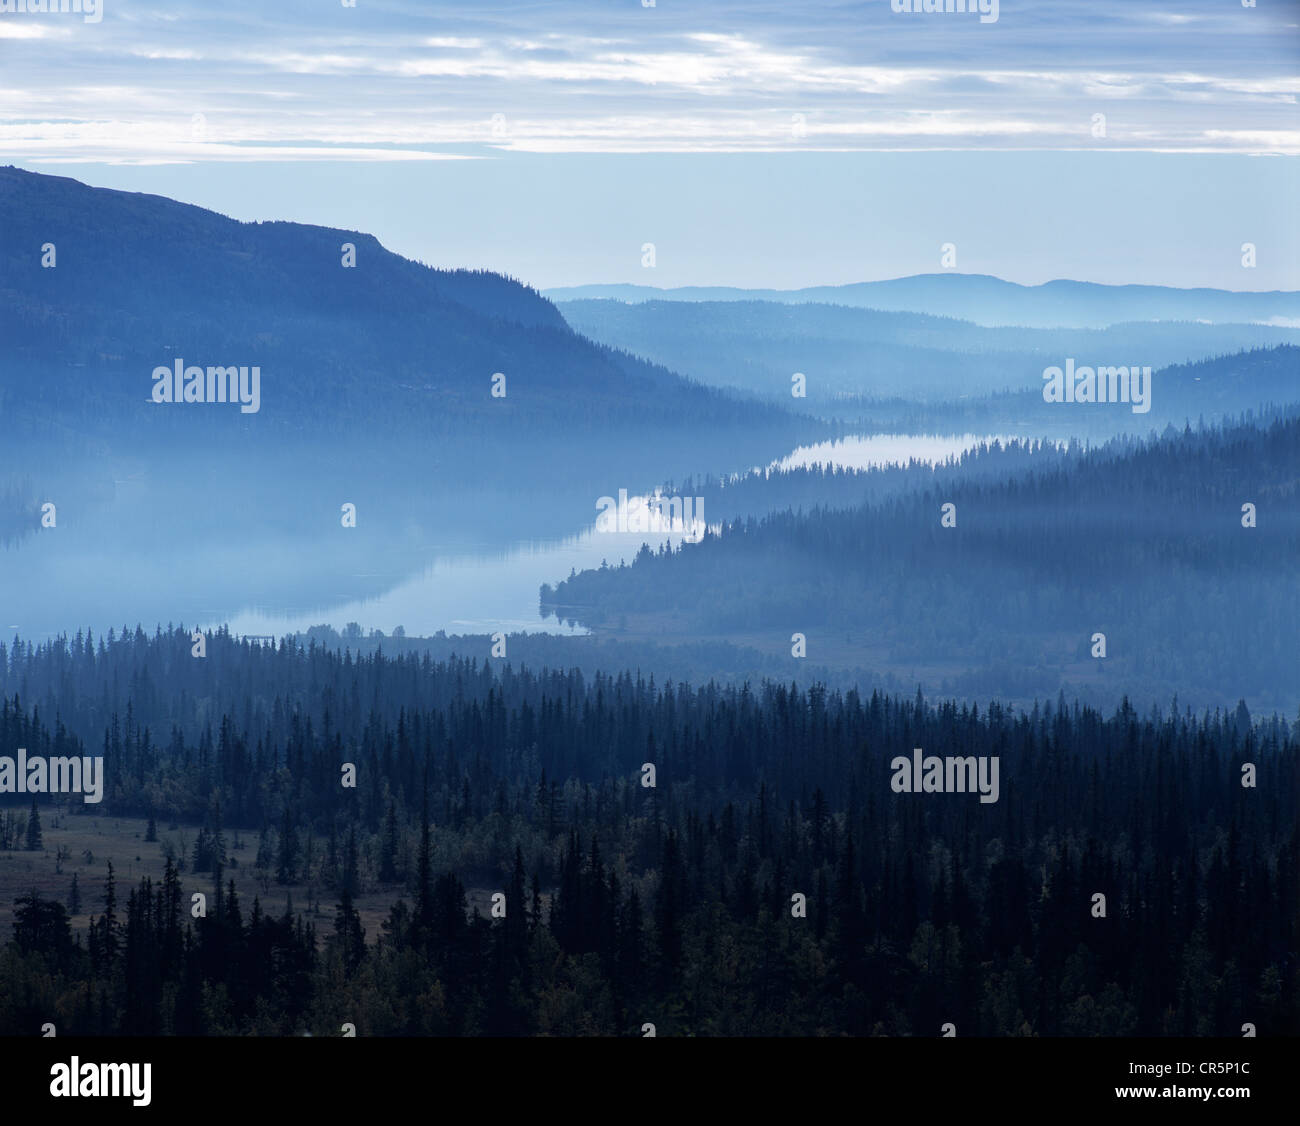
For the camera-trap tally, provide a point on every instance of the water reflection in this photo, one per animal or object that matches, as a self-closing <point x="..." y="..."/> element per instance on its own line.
<point x="876" y="450"/>
<point x="268" y="556"/>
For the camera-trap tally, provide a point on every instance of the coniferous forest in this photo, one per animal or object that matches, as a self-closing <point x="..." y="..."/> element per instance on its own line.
<point x="675" y="904"/>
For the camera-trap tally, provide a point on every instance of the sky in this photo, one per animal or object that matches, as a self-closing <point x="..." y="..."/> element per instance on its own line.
<point x="751" y="142"/>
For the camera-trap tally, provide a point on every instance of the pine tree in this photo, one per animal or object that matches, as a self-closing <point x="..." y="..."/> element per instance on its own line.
<point x="349" y="934"/>
<point x="388" y="854"/>
<point x="218" y="837"/>
<point x="631" y="955"/>
<point x="423" y="922"/>
<point x="669" y="908"/>
<point x="41" y="925"/>
<point x="535" y="920"/>
<point x="74" y="897"/>
<point x="264" y="857"/>
<point x="350" y="862"/>
<point x="34" y="829"/>
<point x="516" y="916"/>
<point x="108" y="921"/>
<point x="287" y="864"/>
<point x="203" y="856"/>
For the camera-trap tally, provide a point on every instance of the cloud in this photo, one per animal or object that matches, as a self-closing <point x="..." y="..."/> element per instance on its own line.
<point x="13" y="29"/>
<point x="726" y="76"/>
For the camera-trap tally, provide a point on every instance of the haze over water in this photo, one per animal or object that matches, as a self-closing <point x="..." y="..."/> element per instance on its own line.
<point x="136" y="554"/>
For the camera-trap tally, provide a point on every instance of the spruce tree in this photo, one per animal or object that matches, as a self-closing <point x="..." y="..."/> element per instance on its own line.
<point x="516" y="915"/>
<point x="424" y="893"/>
<point x="287" y="864"/>
<point x="350" y="862"/>
<point x="203" y="851"/>
<point x="388" y="853"/>
<point x="34" y="829"/>
<point x="535" y="914"/>
<point x="263" y="849"/>
<point x="108" y="921"/>
<point x="349" y="934"/>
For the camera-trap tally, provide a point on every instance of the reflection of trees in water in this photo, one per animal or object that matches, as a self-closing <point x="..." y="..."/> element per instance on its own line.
<point x="20" y="511"/>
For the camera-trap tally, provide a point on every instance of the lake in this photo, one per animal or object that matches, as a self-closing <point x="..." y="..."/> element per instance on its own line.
<point x="280" y="562"/>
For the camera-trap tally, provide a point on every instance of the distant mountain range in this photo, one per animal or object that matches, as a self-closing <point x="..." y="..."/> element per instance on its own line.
<point x="991" y="301"/>
<point x="756" y="346"/>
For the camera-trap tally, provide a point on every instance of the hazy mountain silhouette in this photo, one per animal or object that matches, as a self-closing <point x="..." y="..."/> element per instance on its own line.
<point x="991" y="301"/>
<point x="386" y="348"/>
<point x="755" y="346"/>
<point x="1213" y="390"/>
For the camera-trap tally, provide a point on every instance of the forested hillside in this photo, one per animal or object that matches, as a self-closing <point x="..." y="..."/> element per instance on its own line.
<point x="1219" y="389"/>
<point x="832" y="486"/>
<point x="98" y="288"/>
<point x="627" y="904"/>
<point x="1146" y="544"/>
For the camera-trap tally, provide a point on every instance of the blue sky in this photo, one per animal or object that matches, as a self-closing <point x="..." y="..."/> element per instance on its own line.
<point x="754" y="143"/>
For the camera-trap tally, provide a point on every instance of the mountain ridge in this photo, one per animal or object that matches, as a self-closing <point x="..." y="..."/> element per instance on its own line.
<point x="99" y="288"/>
<point x="988" y="300"/>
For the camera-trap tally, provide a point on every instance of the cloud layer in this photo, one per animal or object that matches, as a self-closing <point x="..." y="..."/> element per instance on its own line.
<point x="417" y="81"/>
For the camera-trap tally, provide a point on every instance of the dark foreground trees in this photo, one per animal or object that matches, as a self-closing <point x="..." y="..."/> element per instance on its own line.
<point x="772" y="882"/>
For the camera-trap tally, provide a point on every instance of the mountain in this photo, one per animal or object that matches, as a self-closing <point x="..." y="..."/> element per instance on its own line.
<point x="991" y="301"/>
<point x="100" y="288"/>
<point x="756" y="346"/>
